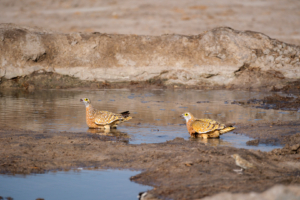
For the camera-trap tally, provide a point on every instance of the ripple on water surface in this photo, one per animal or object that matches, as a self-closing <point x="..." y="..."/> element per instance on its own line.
<point x="156" y="113"/>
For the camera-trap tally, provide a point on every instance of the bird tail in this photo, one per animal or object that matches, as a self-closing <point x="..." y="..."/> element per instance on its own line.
<point x="227" y="129"/>
<point x="126" y="116"/>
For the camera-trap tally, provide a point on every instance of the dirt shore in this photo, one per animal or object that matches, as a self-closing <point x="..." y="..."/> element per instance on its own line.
<point x="177" y="169"/>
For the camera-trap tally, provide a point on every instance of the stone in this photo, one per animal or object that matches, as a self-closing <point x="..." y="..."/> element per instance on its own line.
<point x="295" y="147"/>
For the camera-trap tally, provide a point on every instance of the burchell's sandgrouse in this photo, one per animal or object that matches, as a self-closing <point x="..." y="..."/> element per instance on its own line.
<point x="103" y="119"/>
<point x="204" y="128"/>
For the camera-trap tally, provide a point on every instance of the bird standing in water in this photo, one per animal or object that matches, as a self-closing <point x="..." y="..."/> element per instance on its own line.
<point x="204" y="128"/>
<point x="103" y="119"/>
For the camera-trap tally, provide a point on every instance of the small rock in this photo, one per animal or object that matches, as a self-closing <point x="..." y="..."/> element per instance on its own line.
<point x="266" y="51"/>
<point x="252" y="143"/>
<point x="287" y="60"/>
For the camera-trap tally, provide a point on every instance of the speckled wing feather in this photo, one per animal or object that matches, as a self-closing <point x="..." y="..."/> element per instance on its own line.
<point x="206" y="125"/>
<point x="106" y="118"/>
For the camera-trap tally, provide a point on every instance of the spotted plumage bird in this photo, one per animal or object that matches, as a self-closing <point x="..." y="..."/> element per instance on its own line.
<point x="204" y="128"/>
<point x="103" y="119"/>
<point x="244" y="164"/>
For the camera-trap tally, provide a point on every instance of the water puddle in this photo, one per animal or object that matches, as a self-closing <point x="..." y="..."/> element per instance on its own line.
<point x="82" y="184"/>
<point x="155" y="112"/>
<point x="238" y="141"/>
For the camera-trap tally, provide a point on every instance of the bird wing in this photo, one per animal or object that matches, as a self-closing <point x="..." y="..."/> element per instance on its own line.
<point x="206" y="125"/>
<point x="105" y="117"/>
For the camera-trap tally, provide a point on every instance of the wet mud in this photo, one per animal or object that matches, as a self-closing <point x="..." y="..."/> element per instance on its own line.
<point x="280" y="133"/>
<point x="276" y="102"/>
<point x="293" y="86"/>
<point x="177" y="169"/>
<point x="274" y="133"/>
<point x="50" y="80"/>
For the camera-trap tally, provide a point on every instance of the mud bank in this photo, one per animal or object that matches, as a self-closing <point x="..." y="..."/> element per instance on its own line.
<point x="284" y="133"/>
<point x="218" y="58"/>
<point x="177" y="169"/>
<point x="276" y="102"/>
<point x="274" y="132"/>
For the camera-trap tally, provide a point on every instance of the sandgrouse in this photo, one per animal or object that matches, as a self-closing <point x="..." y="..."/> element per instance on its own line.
<point x="244" y="164"/>
<point x="204" y="128"/>
<point x="103" y="119"/>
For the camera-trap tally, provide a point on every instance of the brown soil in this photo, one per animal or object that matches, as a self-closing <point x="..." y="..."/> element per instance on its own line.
<point x="293" y="86"/>
<point x="284" y="133"/>
<point x="276" y="102"/>
<point x="177" y="169"/>
<point x="50" y="80"/>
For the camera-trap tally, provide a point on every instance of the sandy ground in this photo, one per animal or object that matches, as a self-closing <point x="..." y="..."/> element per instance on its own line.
<point x="277" y="18"/>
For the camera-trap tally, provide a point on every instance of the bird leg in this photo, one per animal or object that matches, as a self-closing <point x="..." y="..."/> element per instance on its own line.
<point x="204" y="136"/>
<point x="107" y="127"/>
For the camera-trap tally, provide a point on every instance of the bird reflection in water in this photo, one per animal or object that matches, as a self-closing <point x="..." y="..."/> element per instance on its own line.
<point x="212" y="141"/>
<point x="111" y="132"/>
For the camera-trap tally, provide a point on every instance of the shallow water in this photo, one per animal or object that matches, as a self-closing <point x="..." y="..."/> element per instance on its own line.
<point x="155" y="119"/>
<point x="155" y="112"/>
<point x="82" y="184"/>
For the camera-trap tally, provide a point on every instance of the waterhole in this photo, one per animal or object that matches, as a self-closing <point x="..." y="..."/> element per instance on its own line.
<point x="156" y="113"/>
<point x="156" y="118"/>
<point x="77" y="184"/>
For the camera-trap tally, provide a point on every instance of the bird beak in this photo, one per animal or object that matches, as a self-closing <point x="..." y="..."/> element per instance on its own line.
<point x="81" y="100"/>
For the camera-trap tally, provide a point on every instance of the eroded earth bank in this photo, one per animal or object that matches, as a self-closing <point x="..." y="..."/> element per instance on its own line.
<point x="221" y="58"/>
<point x="218" y="58"/>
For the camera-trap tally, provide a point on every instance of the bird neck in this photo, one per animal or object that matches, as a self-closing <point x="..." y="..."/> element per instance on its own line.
<point x="192" y="118"/>
<point x="89" y="108"/>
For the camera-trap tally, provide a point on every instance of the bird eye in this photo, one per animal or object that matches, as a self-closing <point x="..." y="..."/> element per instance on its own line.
<point x="186" y="114"/>
<point x="86" y="99"/>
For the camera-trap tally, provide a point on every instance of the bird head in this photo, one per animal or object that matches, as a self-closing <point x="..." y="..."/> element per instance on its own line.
<point x="85" y="101"/>
<point x="187" y="116"/>
<point x="235" y="156"/>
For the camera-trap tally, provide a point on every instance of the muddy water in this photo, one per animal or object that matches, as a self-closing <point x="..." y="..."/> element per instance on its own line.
<point x="79" y="184"/>
<point x="155" y="112"/>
